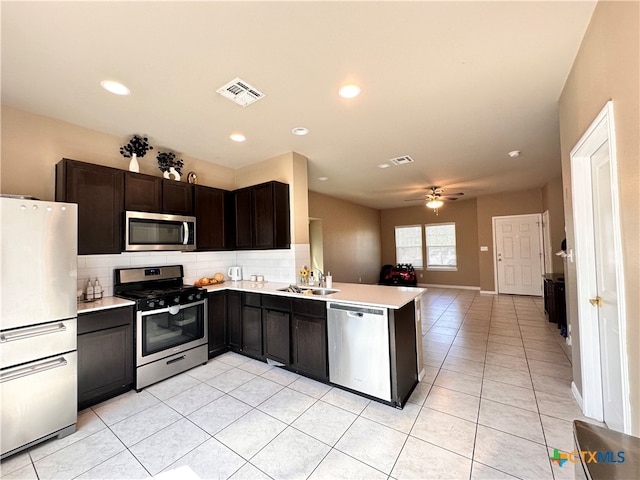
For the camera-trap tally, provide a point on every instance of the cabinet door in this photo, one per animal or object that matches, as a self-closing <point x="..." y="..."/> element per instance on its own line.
<point x="177" y="197"/>
<point x="99" y="193"/>
<point x="309" y="346"/>
<point x="263" y="225"/>
<point x="243" y="218"/>
<point x="252" y="330"/>
<point x="281" y="216"/>
<point x="217" y="313"/>
<point x="213" y="222"/>
<point x="105" y="364"/>
<point x="277" y="328"/>
<point x="234" y="319"/>
<point x="142" y="193"/>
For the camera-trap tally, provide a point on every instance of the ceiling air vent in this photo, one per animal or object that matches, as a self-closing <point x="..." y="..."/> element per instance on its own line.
<point x="240" y="92"/>
<point x="401" y="160"/>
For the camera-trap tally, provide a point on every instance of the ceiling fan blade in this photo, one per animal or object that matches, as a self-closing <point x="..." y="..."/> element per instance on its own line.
<point x="413" y="199"/>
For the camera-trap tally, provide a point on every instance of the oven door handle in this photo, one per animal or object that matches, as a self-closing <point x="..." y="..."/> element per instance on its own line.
<point x="185" y="234"/>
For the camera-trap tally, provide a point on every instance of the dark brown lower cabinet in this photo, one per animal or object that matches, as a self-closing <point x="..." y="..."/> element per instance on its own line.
<point x="309" y="338"/>
<point x="252" y="325"/>
<point x="217" y="313"/>
<point x="234" y="320"/>
<point x="105" y="355"/>
<point x="276" y="336"/>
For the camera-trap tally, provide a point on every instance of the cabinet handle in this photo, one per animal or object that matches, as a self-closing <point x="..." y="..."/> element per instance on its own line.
<point x="25" y="333"/>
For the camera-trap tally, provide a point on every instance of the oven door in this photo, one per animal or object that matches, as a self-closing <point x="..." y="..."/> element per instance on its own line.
<point x="167" y="331"/>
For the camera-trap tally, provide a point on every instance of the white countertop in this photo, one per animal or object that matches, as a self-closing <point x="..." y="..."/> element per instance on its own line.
<point x="354" y="293"/>
<point x="103" y="304"/>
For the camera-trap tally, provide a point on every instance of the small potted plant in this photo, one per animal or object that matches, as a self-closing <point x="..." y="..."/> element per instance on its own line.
<point x="138" y="146"/>
<point x="170" y="165"/>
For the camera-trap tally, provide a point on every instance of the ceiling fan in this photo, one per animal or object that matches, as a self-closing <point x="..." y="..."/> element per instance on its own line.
<point x="436" y="196"/>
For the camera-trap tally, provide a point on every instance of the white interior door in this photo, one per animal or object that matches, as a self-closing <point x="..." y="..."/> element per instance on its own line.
<point x="518" y="254"/>
<point x="606" y="298"/>
<point x="599" y="275"/>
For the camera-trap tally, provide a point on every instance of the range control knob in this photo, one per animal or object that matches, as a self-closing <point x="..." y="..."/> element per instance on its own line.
<point x="190" y="297"/>
<point x="151" y="304"/>
<point x="176" y="300"/>
<point x="161" y="303"/>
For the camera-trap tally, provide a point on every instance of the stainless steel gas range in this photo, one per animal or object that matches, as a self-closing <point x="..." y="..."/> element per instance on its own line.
<point x="171" y="321"/>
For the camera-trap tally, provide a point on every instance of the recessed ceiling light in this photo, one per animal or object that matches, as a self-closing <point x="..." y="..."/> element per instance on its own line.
<point x="514" y="153"/>
<point x="383" y="165"/>
<point x="300" y="131"/>
<point x="349" y="91"/>
<point x="323" y="179"/>
<point x="237" y="137"/>
<point x="115" y="87"/>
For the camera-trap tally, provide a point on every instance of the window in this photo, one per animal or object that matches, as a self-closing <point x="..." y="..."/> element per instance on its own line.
<point x="409" y="245"/>
<point x="441" y="246"/>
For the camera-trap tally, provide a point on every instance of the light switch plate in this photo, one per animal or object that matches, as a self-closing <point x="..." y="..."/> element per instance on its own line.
<point x="484" y="248"/>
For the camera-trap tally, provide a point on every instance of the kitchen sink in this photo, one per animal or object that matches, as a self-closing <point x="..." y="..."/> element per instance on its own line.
<point x="309" y="290"/>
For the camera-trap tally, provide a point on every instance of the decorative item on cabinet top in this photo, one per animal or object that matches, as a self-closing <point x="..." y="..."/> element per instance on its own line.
<point x="170" y="165"/>
<point x="138" y="146"/>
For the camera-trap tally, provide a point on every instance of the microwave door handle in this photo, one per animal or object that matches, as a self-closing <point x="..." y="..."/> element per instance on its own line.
<point x="185" y="235"/>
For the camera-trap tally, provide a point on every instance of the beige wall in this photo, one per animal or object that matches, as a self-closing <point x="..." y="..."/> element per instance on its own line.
<point x="552" y="201"/>
<point x="463" y="213"/>
<point x="33" y="144"/>
<point x="607" y="67"/>
<point x="498" y="205"/>
<point x="351" y="238"/>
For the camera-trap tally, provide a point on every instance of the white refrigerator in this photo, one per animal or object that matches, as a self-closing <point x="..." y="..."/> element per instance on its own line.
<point x="38" y="324"/>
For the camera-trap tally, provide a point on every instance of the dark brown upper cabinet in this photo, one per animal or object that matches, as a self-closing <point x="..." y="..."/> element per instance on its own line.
<point x="177" y="197"/>
<point x="142" y="193"/>
<point x="262" y="216"/>
<point x="99" y="193"/>
<point x="214" y="218"/>
<point x="146" y="193"/>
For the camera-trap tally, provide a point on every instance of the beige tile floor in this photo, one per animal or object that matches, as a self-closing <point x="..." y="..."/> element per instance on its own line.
<point x="494" y="403"/>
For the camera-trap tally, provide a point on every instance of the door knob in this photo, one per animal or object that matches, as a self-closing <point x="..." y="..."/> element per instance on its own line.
<point x="596" y="302"/>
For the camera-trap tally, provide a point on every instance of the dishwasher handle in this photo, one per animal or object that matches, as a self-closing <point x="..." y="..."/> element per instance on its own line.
<point x="360" y="310"/>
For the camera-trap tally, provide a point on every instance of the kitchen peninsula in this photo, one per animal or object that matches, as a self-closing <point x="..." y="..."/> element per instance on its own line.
<point x="365" y="338"/>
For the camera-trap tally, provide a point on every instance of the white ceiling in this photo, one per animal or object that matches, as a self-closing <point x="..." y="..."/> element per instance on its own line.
<point x="455" y="85"/>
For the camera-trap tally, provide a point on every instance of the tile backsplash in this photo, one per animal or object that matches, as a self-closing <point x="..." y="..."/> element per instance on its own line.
<point x="275" y="265"/>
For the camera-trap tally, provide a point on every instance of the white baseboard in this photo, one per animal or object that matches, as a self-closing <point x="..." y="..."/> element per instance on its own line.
<point x="576" y="395"/>
<point x="487" y="292"/>
<point x="461" y="287"/>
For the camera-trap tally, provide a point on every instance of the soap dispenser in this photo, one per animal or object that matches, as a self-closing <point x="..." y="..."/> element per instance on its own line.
<point x="97" y="290"/>
<point x="90" y="292"/>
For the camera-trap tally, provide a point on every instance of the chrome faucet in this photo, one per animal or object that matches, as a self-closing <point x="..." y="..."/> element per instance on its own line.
<point x="320" y="278"/>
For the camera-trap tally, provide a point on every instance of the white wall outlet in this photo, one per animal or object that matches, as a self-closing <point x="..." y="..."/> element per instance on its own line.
<point x="484" y="248"/>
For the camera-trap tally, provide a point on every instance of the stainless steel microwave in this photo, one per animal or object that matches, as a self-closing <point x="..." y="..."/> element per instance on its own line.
<point x="159" y="231"/>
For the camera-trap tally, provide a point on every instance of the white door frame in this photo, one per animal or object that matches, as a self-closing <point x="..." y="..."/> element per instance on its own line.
<point x="495" y="247"/>
<point x="547" y="253"/>
<point x="601" y="130"/>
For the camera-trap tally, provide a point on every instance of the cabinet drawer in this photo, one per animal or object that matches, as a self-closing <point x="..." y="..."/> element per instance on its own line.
<point x="94" y="321"/>
<point x="251" y="299"/>
<point x="276" y="303"/>
<point x="316" y="308"/>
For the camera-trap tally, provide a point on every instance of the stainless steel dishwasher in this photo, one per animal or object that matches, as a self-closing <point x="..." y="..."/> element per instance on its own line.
<point x="359" y="359"/>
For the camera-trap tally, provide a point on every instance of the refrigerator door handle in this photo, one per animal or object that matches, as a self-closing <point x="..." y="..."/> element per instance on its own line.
<point x="23" y="333"/>
<point x="33" y="369"/>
